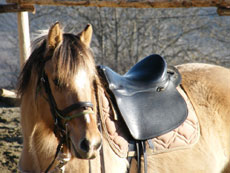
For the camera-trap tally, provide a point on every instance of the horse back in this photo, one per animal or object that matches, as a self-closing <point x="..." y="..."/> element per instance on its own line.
<point x="208" y="87"/>
<point x="209" y="83"/>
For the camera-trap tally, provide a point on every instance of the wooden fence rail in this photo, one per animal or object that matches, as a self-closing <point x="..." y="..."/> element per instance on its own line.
<point x="128" y="3"/>
<point x="12" y="8"/>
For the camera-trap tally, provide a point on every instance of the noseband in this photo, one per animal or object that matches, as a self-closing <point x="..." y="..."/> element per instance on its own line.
<point x="58" y="115"/>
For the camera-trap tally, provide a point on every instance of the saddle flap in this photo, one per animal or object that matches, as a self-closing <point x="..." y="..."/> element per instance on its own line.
<point x="151" y="114"/>
<point x="147" y="110"/>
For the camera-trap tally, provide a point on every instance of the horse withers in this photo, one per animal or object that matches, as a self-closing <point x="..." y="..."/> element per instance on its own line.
<point x="62" y="117"/>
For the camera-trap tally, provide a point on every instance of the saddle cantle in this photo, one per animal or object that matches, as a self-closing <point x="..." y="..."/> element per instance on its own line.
<point x="147" y="97"/>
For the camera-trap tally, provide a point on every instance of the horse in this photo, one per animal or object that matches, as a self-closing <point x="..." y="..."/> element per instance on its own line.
<point x="63" y="97"/>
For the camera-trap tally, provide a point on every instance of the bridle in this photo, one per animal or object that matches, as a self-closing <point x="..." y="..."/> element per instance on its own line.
<point x="60" y="116"/>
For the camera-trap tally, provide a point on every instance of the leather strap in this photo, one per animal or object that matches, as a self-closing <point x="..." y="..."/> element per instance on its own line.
<point x="99" y="108"/>
<point x="139" y="147"/>
<point x="143" y="146"/>
<point x="90" y="167"/>
<point x="102" y="158"/>
<point x="56" y="154"/>
<point x="76" y="106"/>
<point x="138" y="157"/>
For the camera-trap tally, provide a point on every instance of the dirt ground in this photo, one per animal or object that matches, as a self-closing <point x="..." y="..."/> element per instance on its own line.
<point x="10" y="138"/>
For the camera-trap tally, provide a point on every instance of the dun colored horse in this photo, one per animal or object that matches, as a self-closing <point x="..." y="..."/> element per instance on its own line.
<point x="61" y="119"/>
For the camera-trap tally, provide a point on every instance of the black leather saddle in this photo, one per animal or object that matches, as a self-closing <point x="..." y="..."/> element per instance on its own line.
<point x="147" y="98"/>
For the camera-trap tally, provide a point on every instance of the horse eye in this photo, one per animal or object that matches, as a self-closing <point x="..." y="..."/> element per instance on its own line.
<point x="56" y="82"/>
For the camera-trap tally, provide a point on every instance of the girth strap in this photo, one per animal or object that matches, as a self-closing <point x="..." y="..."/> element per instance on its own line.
<point x="136" y="150"/>
<point x="141" y="150"/>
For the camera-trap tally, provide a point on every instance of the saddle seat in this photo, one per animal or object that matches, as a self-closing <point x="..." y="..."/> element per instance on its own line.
<point x="146" y="97"/>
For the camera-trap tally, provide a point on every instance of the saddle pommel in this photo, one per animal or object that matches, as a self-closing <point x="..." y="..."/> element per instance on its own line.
<point x="151" y="69"/>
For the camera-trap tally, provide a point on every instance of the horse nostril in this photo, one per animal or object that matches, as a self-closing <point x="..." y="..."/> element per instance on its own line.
<point x="84" y="145"/>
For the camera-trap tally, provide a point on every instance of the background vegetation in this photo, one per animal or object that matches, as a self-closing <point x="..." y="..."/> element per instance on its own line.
<point x="121" y="38"/>
<point x="124" y="36"/>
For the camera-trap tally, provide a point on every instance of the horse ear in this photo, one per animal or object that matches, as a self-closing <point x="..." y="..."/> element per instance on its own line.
<point x="86" y="35"/>
<point x="54" y="36"/>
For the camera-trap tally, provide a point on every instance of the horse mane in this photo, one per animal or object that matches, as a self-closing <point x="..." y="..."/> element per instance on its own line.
<point x="71" y="55"/>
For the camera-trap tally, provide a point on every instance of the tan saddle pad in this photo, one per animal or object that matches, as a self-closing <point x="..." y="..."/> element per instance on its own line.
<point x="185" y="136"/>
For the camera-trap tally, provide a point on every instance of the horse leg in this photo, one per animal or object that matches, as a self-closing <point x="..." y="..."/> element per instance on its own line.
<point x="112" y="162"/>
<point x="133" y="166"/>
<point x="25" y="161"/>
<point x="227" y="168"/>
<point x="83" y="165"/>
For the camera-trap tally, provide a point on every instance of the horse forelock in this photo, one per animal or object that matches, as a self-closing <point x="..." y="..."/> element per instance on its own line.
<point x="69" y="57"/>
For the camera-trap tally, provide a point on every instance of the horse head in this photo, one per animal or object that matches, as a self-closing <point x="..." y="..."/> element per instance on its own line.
<point x="67" y="82"/>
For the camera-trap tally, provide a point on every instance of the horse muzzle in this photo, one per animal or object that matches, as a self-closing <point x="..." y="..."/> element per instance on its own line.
<point x="86" y="148"/>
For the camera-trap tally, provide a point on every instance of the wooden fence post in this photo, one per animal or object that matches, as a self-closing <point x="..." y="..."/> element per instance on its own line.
<point x="24" y="36"/>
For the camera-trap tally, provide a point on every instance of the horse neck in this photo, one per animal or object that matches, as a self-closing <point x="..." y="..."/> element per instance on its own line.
<point x="38" y="135"/>
<point x="29" y="111"/>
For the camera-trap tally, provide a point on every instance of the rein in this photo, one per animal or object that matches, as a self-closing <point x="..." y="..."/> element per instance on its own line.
<point x="58" y="115"/>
